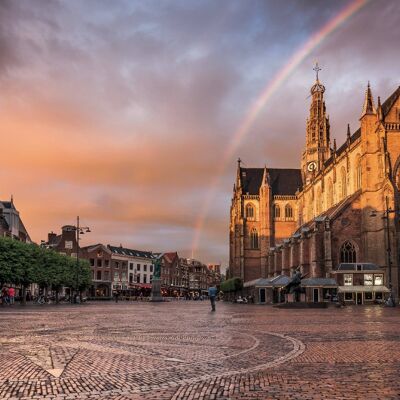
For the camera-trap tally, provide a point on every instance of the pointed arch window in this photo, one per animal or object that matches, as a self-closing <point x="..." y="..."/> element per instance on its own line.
<point x="343" y="183"/>
<point x="348" y="253"/>
<point x="329" y="194"/>
<point x="249" y="211"/>
<point x="277" y="211"/>
<point x="288" y="211"/>
<point x="254" y="244"/>
<point x="358" y="174"/>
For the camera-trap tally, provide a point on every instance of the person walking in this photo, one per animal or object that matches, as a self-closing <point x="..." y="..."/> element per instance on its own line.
<point x="11" y="295"/>
<point x="212" y="294"/>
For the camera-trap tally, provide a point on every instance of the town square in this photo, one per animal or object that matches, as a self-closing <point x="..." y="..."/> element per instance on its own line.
<point x="199" y="199"/>
<point x="180" y="350"/>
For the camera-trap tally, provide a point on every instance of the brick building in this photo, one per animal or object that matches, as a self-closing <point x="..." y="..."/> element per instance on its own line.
<point x="100" y="261"/>
<point x="319" y="216"/>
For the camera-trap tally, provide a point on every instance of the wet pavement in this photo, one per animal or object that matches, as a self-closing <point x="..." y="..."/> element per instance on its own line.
<point x="180" y="350"/>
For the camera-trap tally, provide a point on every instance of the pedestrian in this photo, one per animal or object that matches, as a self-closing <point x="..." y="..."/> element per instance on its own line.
<point x="116" y="296"/>
<point x="212" y="293"/>
<point x="11" y="295"/>
<point x="4" y="294"/>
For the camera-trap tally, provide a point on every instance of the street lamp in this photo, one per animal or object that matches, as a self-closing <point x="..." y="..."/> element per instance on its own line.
<point x="80" y="230"/>
<point x="385" y="216"/>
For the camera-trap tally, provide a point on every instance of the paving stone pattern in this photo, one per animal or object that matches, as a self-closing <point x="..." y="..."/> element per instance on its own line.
<point x="180" y="350"/>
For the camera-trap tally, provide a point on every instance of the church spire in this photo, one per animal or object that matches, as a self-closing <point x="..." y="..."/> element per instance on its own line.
<point x="238" y="180"/>
<point x="379" y="109"/>
<point x="368" y="107"/>
<point x="317" y="149"/>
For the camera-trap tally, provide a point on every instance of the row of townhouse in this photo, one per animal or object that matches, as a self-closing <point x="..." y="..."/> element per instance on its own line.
<point x="116" y="268"/>
<point x="187" y="276"/>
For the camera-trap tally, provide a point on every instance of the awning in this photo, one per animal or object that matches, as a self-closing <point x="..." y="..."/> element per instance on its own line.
<point x="363" y="289"/>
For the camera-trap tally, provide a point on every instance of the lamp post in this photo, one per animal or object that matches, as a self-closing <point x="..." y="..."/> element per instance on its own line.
<point x="385" y="216"/>
<point x="80" y="230"/>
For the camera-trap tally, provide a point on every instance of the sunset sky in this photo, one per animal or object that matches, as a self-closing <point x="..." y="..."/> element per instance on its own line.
<point x="122" y="111"/>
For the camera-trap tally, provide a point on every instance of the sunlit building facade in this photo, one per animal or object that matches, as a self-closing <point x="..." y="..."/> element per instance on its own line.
<point x="329" y="211"/>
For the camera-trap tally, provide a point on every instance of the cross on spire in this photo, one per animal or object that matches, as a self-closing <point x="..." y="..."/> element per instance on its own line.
<point x="317" y="69"/>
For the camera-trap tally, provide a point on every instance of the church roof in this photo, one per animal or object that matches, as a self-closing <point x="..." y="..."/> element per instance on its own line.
<point x="387" y="105"/>
<point x="283" y="181"/>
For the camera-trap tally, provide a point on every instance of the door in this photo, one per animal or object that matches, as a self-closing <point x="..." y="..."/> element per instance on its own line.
<point x="262" y="295"/>
<point x="359" y="298"/>
<point x="316" y="295"/>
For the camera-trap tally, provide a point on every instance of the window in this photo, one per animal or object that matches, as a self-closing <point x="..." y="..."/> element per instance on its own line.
<point x="378" y="279"/>
<point x="151" y="268"/>
<point x="138" y="279"/>
<point x="288" y="211"/>
<point x="99" y="275"/>
<point x="116" y="277"/>
<point x="358" y="175"/>
<point x="116" y="264"/>
<point x="106" y="262"/>
<point x="348" y="279"/>
<point x="124" y="276"/>
<point x="329" y="194"/>
<point x="130" y="265"/>
<point x="348" y="253"/>
<point x="368" y="296"/>
<point x="254" y="239"/>
<point x="343" y="183"/>
<point x="68" y="244"/>
<point x="368" y="280"/>
<point x="92" y="262"/>
<point x="138" y="267"/>
<point x="99" y="262"/>
<point x="145" y="268"/>
<point x="348" y="296"/>
<point x="144" y="278"/>
<point x="106" y="275"/>
<point x="378" y="296"/>
<point x="130" y="278"/>
<point x="249" y="211"/>
<point x="277" y="211"/>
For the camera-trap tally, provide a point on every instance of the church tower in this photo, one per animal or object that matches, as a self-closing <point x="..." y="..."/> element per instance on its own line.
<point x="317" y="149"/>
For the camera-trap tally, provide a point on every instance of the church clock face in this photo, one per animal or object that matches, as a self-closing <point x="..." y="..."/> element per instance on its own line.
<point x="312" y="166"/>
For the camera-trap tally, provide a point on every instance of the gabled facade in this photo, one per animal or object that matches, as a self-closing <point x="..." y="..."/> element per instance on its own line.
<point x="320" y="215"/>
<point x="11" y="224"/>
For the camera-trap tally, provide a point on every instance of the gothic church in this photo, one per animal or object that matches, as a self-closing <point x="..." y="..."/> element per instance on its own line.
<point x="330" y="211"/>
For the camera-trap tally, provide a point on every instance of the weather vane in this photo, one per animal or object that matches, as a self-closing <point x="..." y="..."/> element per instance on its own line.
<point x="317" y="68"/>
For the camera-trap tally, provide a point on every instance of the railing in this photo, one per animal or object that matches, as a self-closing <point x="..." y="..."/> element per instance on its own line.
<point x="392" y="126"/>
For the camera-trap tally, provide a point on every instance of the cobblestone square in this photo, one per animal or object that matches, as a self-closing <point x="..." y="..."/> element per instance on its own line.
<point x="180" y="350"/>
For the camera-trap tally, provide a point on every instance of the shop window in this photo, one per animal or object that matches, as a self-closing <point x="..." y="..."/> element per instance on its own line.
<point x="378" y="279"/>
<point x="348" y="279"/>
<point x="378" y="296"/>
<point x="368" y="280"/>
<point x="348" y="296"/>
<point x="368" y="296"/>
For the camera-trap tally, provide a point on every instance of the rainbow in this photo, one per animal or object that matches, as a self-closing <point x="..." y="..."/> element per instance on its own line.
<point x="272" y="86"/>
